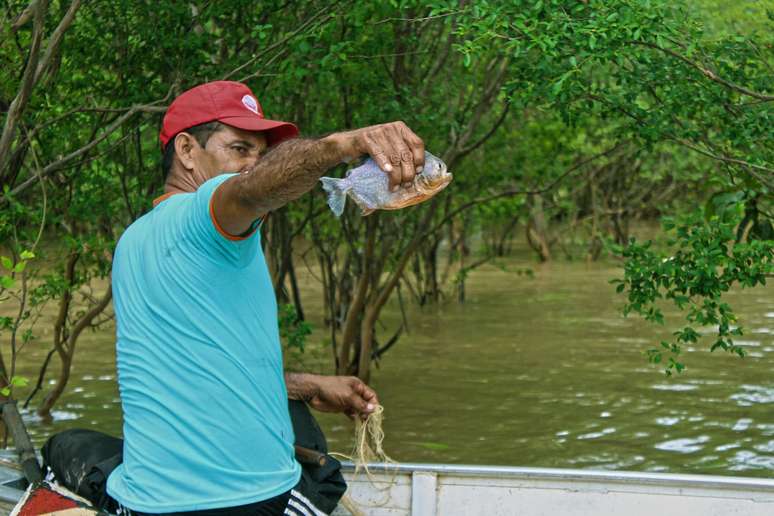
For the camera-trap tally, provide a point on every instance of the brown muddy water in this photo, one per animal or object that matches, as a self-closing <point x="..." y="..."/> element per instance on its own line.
<point x="538" y="371"/>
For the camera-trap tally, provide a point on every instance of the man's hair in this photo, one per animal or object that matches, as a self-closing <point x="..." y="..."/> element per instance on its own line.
<point x="201" y="133"/>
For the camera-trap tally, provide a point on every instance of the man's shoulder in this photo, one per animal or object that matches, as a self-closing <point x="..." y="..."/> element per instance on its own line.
<point x="162" y="214"/>
<point x="164" y="207"/>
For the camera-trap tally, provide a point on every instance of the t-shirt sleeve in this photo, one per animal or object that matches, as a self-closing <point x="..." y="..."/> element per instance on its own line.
<point x="206" y="235"/>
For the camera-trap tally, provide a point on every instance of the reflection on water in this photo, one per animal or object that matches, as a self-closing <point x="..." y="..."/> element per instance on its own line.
<point x="754" y="394"/>
<point x="685" y="445"/>
<point x="531" y="372"/>
<point x="675" y="387"/>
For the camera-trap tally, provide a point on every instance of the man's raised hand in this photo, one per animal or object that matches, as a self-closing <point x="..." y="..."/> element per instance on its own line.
<point x="393" y="146"/>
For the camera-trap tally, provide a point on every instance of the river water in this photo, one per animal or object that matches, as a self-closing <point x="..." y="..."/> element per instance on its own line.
<point x="539" y="371"/>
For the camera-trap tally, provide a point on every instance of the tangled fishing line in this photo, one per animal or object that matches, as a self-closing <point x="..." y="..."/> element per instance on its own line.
<point x="369" y="436"/>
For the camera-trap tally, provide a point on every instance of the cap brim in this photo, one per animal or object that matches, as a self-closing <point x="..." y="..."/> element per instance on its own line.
<point x="275" y="130"/>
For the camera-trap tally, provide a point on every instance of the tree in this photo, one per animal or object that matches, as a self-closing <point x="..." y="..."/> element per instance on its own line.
<point x="563" y="121"/>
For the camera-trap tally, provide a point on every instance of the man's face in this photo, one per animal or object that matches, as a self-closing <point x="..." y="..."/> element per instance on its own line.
<point x="228" y="150"/>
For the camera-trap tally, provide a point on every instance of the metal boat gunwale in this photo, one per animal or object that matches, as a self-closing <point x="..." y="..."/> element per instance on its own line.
<point x="574" y="475"/>
<point x="426" y="480"/>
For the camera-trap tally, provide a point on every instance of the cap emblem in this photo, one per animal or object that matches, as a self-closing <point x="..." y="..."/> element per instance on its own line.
<point x="251" y="104"/>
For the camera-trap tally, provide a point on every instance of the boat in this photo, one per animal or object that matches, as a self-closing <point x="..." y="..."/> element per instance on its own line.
<point x="452" y="490"/>
<point x="457" y="490"/>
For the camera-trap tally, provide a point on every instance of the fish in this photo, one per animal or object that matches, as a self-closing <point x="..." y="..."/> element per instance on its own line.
<point x="369" y="187"/>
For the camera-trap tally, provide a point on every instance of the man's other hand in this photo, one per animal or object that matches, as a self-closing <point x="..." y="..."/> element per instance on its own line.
<point x="394" y="147"/>
<point x="347" y="394"/>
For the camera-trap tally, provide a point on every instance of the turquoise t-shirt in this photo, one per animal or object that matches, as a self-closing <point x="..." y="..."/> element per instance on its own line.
<point x="206" y="420"/>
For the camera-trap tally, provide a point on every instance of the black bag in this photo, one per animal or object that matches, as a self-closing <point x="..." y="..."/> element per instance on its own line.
<point x="81" y="460"/>
<point x="322" y="485"/>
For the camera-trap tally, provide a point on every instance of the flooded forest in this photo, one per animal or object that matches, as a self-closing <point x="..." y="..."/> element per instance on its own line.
<point x="592" y="290"/>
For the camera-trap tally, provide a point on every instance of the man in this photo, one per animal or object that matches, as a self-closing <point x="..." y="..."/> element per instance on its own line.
<point x="206" y="425"/>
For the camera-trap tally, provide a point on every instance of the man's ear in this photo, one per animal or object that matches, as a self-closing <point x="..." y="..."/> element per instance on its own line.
<point x="185" y="144"/>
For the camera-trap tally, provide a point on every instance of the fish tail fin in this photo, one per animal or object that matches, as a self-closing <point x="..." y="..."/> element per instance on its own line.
<point x="337" y="193"/>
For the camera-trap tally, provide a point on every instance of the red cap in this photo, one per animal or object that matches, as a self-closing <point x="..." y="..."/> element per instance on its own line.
<point x="225" y="101"/>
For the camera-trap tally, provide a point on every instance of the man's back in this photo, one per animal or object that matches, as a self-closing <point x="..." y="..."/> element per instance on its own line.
<point x="200" y="368"/>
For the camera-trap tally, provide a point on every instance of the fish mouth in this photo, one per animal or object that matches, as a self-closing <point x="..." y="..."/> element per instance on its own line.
<point x="441" y="177"/>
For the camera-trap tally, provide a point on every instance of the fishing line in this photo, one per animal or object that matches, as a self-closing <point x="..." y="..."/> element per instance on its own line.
<point x="369" y="436"/>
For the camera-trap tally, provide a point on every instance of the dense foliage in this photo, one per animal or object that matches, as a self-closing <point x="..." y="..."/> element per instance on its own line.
<point x="568" y="119"/>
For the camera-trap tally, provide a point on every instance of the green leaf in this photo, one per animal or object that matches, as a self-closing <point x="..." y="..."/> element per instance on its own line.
<point x="19" y="381"/>
<point x="6" y="262"/>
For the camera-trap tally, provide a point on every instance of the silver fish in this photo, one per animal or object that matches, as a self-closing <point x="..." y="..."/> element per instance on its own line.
<point x="369" y="187"/>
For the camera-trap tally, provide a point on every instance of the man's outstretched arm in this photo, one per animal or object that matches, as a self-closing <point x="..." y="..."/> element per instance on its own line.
<point x="292" y="168"/>
<point x="346" y="394"/>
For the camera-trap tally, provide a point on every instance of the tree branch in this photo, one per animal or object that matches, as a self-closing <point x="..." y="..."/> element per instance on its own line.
<point x="511" y="193"/>
<point x="86" y="319"/>
<point x="751" y="167"/>
<point x="280" y="43"/>
<point x="708" y="73"/>
<point x="27" y="84"/>
<point x="470" y="148"/>
<point x="24" y="16"/>
<point x="55" y="40"/>
<point x="62" y="161"/>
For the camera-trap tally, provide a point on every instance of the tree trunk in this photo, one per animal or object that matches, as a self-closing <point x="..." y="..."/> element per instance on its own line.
<point x="366" y="343"/>
<point x="537" y="228"/>
<point x="21" y="439"/>
<point x="349" y="330"/>
<point x="44" y="410"/>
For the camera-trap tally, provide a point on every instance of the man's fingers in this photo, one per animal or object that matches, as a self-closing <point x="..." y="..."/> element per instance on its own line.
<point x="417" y="147"/>
<point x="407" y="168"/>
<point x="401" y="156"/>
<point x="366" y="397"/>
<point x="384" y="155"/>
<point x="369" y="395"/>
<point x="377" y="152"/>
<point x="398" y="152"/>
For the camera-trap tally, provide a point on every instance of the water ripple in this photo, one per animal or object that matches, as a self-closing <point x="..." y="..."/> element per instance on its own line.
<point x="742" y="425"/>
<point x="596" y="435"/>
<point x="678" y="387"/>
<point x="753" y="394"/>
<point x="746" y="459"/>
<point x="685" y="445"/>
<point x="667" y="421"/>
